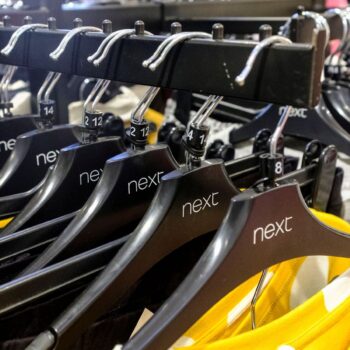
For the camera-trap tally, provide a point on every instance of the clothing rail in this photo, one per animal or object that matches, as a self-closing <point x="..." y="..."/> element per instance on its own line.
<point x="281" y="75"/>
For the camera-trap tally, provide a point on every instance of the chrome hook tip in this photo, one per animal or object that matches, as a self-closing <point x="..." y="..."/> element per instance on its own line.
<point x="145" y="63"/>
<point x="53" y="57"/>
<point x="153" y="67"/>
<point x="5" y="52"/>
<point x="96" y="63"/>
<point x="240" y="80"/>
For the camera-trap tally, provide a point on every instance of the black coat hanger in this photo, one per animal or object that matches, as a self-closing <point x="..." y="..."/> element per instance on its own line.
<point x="28" y="163"/>
<point x="70" y="181"/>
<point x="33" y="240"/>
<point x="10" y="128"/>
<point x="10" y="205"/>
<point x="311" y="124"/>
<point x="65" y="275"/>
<point x="74" y="176"/>
<point x="263" y="226"/>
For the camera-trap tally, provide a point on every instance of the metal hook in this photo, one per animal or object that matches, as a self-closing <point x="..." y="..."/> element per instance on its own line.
<point x="8" y="79"/>
<point x="5" y="81"/>
<point x="108" y="42"/>
<point x="5" y="76"/>
<point x="53" y="83"/>
<point x="279" y="129"/>
<point x="345" y="24"/>
<point x="320" y="21"/>
<point x="100" y="94"/>
<point x="164" y="48"/>
<point x="48" y="85"/>
<point x="92" y="93"/>
<point x="255" y="298"/>
<point x="98" y="90"/>
<point x="345" y="16"/>
<point x="55" y="55"/>
<point x="2" y="82"/>
<point x="142" y="106"/>
<point x="206" y="109"/>
<point x="17" y="34"/>
<point x="241" y="78"/>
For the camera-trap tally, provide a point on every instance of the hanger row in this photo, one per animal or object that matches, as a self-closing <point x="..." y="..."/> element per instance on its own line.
<point x="40" y="46"/>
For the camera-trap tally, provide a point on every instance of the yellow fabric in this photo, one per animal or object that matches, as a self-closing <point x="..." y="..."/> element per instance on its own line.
<point x="228" y="324"/>
<point x="5" y="222"/>
<point x="311" y="326"/>
<point x="157" y="119"/>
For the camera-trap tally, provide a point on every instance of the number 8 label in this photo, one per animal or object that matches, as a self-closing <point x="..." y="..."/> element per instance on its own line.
<point x="278" y="168"/>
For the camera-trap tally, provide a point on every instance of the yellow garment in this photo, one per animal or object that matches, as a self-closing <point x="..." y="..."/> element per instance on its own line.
<point x="5" y="222"/>
<point x="320" y="323"/>
<point x="289" y="285"/>
<point x="157" y="119"/>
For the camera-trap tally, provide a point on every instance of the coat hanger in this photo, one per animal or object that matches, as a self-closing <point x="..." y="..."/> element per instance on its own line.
<point x="243" y="233"/>
<point x="75" y="173"/>
<point x="33" y="238"/>
<point x="33" y="154"/>
<point x="63" y="276"/>
<point x="317" y="123"/>
<point x="189" y="203"/>
<point x="37" y="150"/>
<point x="10" y="127"/>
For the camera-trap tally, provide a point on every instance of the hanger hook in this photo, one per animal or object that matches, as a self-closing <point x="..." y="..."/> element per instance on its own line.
<point x="7" y="81"/>
<point x="4" y="78"/>
<point x="279" y="129"/>
<point x="164" y="48"/>
<point x="53" y="83"/>
<point x="55" y="55"/>
<point x="142" y="106"/>
<point x="345" y="24"/>
<point x="108" y="42"/>
<point x="2" y="82"/>
<point x="101" y="49"/>
<point x="206" y="110"/>
<point x="100" y="94"/>
<point x="241" y="79"/>
<point x="275" y="39"/>
<point x="98" y="90"/>
<point x="48" y="85"/>
<point x="17" y="34"/>
<point x="92" y="93"/>
<point x="320" y="21"/>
